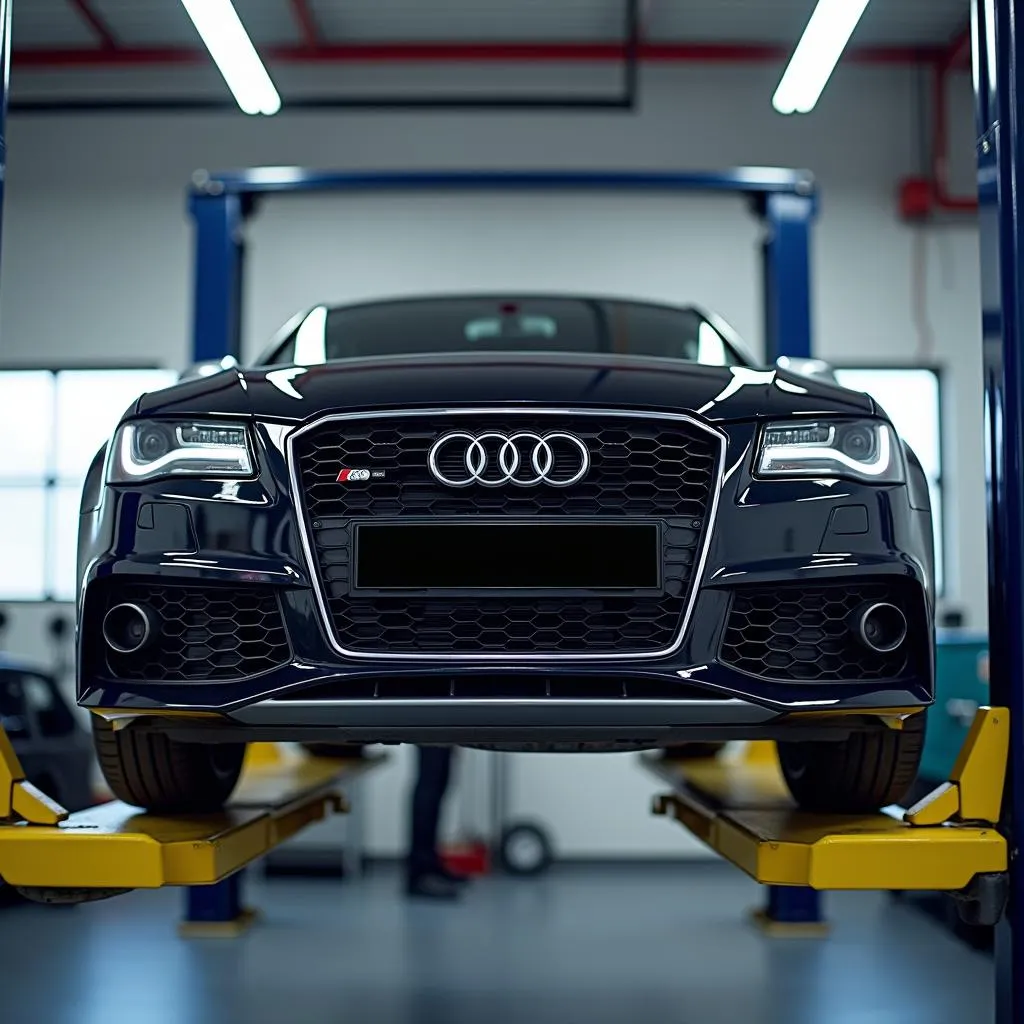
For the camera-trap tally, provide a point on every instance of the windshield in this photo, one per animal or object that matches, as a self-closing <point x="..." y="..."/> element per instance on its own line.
<point x="426" y="326"/>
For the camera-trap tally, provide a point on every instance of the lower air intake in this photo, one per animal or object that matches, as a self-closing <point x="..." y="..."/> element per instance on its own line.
<point x="202" y="633"/>
<point x="808" y="633"/>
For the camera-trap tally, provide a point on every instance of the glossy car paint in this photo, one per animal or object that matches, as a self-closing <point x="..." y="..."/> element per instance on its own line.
<point x="766" y="532"/>
<point x="297" y="394"/>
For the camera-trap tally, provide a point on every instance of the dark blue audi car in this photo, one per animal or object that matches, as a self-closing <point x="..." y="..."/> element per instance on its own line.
<point x="520" y="522"/>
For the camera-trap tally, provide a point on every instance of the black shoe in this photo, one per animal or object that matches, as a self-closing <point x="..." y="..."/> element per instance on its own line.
<point x="432" y="886"/>
<point x="454" y="878"/>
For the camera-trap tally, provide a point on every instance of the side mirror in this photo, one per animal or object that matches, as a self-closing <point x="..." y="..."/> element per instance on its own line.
<point x="817" y="369"/>
<point x="207" y="368"/>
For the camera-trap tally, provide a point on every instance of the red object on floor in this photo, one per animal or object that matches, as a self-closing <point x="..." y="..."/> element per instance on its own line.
<point x="471" y="858"/>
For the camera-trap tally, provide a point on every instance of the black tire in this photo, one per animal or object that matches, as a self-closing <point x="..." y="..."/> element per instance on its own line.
<point x="343" y="751"/>
<point x="164" y="775"/>
<point x="692" y="751"/>
<point x="868" y="771"/>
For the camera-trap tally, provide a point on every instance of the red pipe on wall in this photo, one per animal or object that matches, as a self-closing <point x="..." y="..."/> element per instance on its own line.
<point x="952" y="60"/>
<point x="307" y="23"/>
<point x="479" y="53"/>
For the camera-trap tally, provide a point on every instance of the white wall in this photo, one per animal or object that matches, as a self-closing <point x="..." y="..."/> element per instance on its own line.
<point x="97" y="262"/>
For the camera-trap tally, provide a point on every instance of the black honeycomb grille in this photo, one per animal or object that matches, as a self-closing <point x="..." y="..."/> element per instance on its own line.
<point x="804" y="633"/>
<point x="640" y="468"/>
<point x="507" y="625"/>
<point x="203" y="633"/>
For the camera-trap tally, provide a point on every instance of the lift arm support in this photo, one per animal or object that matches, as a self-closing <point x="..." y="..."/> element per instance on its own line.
<point x="115" y="847"/>
<point x="975" y="789"/>
<point x="743" y="812"/>
<point x="19" y="799"/>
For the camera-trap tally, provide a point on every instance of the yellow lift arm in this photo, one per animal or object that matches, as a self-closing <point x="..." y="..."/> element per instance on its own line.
<point x="743" y="811"/>
<point x="115" y="847"/>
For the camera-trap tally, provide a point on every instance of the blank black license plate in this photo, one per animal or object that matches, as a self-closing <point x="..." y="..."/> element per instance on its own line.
<point x="514" y="556"/>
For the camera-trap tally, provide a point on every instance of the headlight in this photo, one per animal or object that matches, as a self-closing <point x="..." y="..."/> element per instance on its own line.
<point x="147" y="449"/>
<point x="862" y="449"/>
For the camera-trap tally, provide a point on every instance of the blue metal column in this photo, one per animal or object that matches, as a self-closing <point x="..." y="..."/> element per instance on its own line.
<point x="787" y="312"/>
<point x="219" y="218"/>
<point x="787" y="275"/>
<point x="216" y="911"/>
<point x="220" y="903"/>
<point x="793" y="904"/>
<point x="998" y="58"/>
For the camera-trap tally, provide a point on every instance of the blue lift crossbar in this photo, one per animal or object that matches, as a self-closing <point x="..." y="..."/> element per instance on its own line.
<point x="263" y="180"/>
<point x="784" y="199"/>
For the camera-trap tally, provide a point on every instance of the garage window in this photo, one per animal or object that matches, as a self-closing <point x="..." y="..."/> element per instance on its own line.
<point x="911" y="397"/>
<point x="53" y="423"/>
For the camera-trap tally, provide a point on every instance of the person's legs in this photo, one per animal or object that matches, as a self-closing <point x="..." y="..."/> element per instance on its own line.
<point x="431" y="783"/>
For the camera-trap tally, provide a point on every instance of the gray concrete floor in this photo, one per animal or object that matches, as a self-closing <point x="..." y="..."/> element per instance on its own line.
<point x="659" y="944"/>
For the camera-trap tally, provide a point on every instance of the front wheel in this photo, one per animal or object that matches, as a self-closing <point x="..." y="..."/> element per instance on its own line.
<point x="868" y="771"/>
<point x="161" y="774"/>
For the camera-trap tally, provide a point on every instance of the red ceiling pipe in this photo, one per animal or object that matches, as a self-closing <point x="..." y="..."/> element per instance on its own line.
<point x="481" y="53"/>
<point x="307" y="23"/>
<point x="58" y="59"/>
<point x="99" y="26"/>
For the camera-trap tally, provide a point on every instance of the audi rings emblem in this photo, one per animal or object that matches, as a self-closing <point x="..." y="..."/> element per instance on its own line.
<point x="523" y="459"/>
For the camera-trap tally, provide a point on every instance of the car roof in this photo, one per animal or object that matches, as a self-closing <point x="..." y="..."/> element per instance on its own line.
<point x="718" y="322"/>
<point x="513" y="295"/>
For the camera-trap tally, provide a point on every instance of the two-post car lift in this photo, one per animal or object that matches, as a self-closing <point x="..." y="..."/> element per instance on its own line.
<point x="950" y="841"/>
<point x="964" y="838"/>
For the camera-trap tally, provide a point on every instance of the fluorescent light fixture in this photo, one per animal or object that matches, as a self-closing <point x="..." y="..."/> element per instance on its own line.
<point x="817" y="54"/>
<point x="222" y="31"/>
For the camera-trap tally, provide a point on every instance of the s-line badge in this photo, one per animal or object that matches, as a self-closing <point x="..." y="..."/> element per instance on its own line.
<point x="358" y="476"/>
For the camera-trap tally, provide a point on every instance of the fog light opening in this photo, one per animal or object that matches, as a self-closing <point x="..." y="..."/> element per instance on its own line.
<point x="882" y="627"/>
<point x="127" y="628"/>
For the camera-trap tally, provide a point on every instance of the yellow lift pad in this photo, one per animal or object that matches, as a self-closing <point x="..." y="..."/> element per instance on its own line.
<point x="743" y="811"/>
<point x="115" y="846"/>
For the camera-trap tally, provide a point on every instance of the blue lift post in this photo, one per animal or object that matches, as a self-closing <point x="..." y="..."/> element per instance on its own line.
<point x="784" y="200"/>
<point x="998" y="57"/>
<point x="217" y="910"/>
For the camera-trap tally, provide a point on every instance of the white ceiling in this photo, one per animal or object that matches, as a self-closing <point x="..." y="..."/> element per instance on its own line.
<point x="46" y="24"/>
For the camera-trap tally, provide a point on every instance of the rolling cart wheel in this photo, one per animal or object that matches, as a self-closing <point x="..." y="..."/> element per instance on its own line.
<point x="525" y="849"/>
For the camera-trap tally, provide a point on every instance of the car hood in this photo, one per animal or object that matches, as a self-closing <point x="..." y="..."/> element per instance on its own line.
<point x="298" y="393"/>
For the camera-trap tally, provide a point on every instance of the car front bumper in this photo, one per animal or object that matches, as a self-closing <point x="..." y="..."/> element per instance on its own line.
<point x="785" y="534"/>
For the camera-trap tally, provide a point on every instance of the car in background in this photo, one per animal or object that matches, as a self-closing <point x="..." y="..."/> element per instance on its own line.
<point x="54" y="749"/>
<point x="518" y="522"/>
